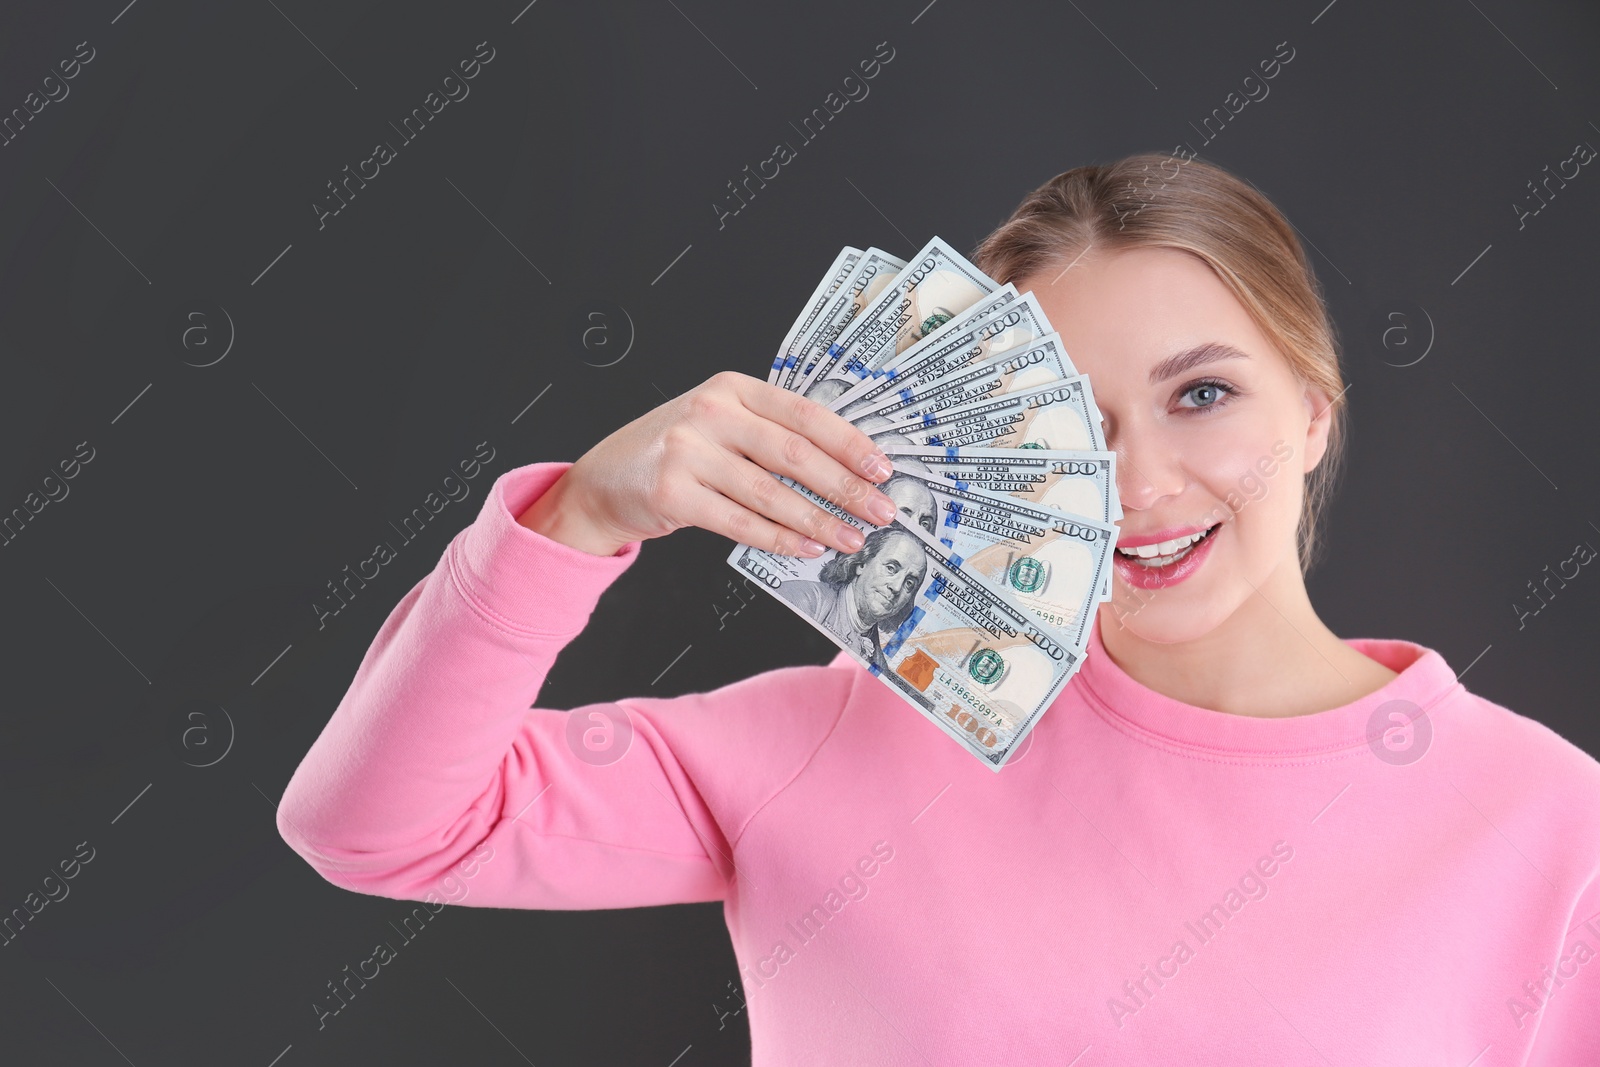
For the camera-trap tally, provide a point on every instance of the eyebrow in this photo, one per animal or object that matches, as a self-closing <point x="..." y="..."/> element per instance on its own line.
<point x="1209" y="352"/>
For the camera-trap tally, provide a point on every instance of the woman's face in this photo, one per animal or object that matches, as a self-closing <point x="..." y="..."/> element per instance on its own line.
<point x="1218" y="438"/>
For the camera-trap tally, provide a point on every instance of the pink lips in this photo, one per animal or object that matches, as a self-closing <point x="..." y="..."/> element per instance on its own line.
<point x="1142" y="577"/>
<point x="1131" y="541"/>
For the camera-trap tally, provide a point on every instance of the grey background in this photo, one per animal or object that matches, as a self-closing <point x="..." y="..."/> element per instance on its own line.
<point x="371" y="355"/>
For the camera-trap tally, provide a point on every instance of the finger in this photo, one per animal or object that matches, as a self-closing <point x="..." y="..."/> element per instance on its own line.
<point x="829" y="430"/>
<point x="710" y="509"/>
<point x="746" y="484"/>
<point x="799" y="438"/>
<point x="781" y="450"/>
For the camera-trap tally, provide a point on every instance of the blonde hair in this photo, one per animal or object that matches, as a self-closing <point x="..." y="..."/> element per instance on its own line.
<point x="1154" y="200"/>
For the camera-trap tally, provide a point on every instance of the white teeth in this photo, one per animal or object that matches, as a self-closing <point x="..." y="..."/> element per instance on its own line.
<point x="1164" y="548"/>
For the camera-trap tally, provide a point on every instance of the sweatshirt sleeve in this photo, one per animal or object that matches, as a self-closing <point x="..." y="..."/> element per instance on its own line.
<point x="435" y="780"/>
<point x="1568" y="1031"/>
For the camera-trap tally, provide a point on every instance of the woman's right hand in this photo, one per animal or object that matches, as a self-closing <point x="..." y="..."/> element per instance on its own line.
<point x="704" y="459"/>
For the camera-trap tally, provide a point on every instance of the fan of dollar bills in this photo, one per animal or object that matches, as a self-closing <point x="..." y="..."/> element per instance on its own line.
<point x="975" y="604"/>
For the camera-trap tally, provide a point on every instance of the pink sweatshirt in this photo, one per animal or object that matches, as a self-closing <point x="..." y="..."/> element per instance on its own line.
<point x="1149" y="883"/>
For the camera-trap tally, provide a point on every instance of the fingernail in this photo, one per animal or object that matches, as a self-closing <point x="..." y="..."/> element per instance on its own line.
<point x="812" y="548"/>
<point x="877" y="466"/>
<point x="881" y="509"/>
<point x="852" y="538"/>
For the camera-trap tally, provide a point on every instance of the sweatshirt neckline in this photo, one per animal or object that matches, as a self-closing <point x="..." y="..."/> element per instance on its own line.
<point x="1421" y="681"/>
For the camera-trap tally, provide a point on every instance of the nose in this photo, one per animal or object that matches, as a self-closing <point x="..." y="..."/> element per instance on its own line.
<point x="1149" y="468"/>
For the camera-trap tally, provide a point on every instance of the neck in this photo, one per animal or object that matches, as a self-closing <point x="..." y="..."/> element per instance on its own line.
<point x="856" y="618"/>
<point x="1272" y="658"/>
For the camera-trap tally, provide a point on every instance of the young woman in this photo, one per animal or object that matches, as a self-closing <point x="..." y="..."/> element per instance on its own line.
<point x="1234" y="838"/>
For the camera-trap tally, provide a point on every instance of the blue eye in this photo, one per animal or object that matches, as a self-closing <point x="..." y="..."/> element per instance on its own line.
<point x="1208" y="393"/>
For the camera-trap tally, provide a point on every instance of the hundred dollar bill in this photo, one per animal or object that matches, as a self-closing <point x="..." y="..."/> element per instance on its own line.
<point x="1059" y="415"/>
<point x="1027" y="366"/>
<point x="874" y="272"/>
<point x="1054" y="563"/>
<point x="981" y="330"/>
<point x="1083" y="483"/>
<point x="788" y="351"/>
<point x="1079" y="483"/>
<point x="935" y="286"/>
<point x="949" y="642"/>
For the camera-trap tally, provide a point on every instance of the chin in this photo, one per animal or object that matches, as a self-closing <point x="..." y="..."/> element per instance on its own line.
<point x="1166" y="617"/>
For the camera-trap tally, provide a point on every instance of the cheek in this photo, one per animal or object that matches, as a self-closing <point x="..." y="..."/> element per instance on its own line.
<point x="1250" y="485"/>
<point x="1233" y="461"/>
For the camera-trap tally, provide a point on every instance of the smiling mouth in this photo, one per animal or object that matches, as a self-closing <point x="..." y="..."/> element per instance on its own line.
<point x="1165" y="553"/>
